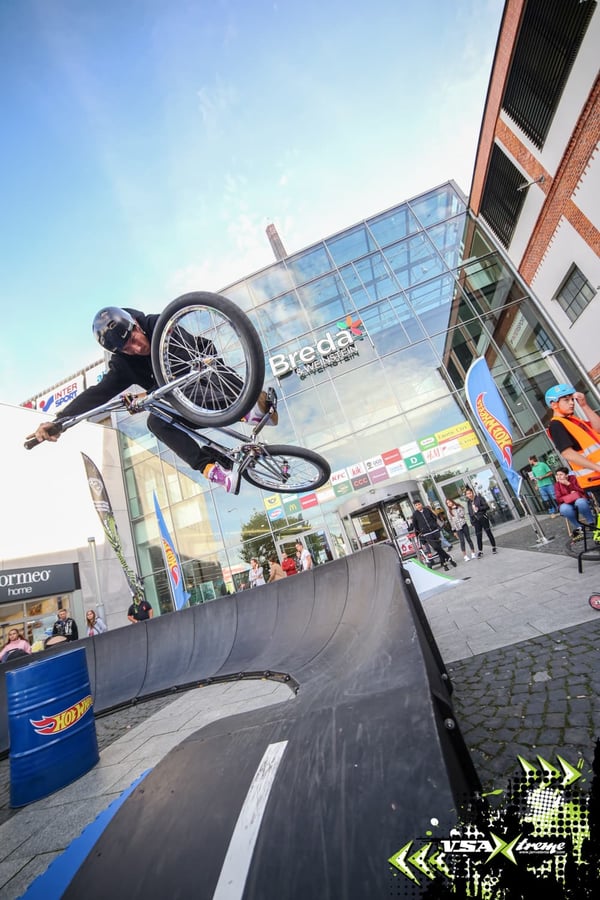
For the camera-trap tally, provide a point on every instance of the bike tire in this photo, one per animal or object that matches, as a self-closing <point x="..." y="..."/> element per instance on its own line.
<point x="209" y="329"/>
<point x="288" y="470"/>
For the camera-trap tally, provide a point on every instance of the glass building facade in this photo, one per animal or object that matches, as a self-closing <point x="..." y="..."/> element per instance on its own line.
<point x="418" y="292"/>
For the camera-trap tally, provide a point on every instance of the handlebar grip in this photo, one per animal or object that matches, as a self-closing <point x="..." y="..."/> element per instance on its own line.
<point x="31" y="441"/>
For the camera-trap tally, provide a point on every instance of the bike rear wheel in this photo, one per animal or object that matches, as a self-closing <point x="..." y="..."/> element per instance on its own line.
<point x="208" y="332"/>
<point x="289" y="470"/>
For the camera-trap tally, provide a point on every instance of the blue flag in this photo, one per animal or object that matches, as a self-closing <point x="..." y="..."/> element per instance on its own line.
<point x="489" y="410"/>
<point x="172" y="564"/>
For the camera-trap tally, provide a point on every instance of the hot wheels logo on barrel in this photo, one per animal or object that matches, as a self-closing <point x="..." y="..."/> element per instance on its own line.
<point x="63" y="720"/>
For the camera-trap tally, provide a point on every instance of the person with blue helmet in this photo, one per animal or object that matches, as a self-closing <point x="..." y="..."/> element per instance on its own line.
<point x="577" y="440"/>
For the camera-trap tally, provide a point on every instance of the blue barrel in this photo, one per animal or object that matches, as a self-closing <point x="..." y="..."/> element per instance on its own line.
<point x="51" y="725"/>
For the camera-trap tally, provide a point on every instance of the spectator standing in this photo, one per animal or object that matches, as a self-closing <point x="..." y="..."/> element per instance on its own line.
<point x="256" y="573"/>
<point x="458" y="524"/>
<point x="304" y="556"/>
<point x="288" y="564"/>
<point x="65" y="626"/>
<point x="16" y="645"/>
<point x="276" y="572"/>
<point x="94" y="624"/>
<point x="545" y="482"/>
<point x="426" y="525"/>
<point x="139" y="611"/>
<point x="572" y="501"/>
<point x="477" y="507"/>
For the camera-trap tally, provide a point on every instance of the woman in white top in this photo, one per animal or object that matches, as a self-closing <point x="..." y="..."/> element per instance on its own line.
<point x="93" y="624"/>
<point x="256" y="573"/>
<point x="458" y="524"/>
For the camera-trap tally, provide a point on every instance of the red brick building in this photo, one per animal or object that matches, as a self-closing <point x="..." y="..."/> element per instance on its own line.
<point x="536" y="182"/>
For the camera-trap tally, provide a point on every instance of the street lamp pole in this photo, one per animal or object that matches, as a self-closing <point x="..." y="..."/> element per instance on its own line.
<point x="99" y="604"/>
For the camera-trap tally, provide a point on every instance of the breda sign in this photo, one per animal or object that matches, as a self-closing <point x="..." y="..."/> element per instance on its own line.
<point x="334" y="347"/>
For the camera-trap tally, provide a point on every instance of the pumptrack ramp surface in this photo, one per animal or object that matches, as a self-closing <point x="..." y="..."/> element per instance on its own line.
<point x="311" y="797"/>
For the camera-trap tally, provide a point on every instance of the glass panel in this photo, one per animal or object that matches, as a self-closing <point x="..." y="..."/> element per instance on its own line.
<point x="432" y="302"/>
<point x="438" y="205"/>
<point x="282" y="320"/>
<point x="369" y="527"/>
<point x="354" y="287"/>
<point x="266" y="285"/>
<point x="376" y="277"/>
<point x="318" y="417"/>
<point x="414" y="260"/>
<point x="415" y="374"/>
<point x="240" y="294"/>
<point x="351" y="245"/>
<point x="489" y="284"/>
<point x="373" y="388"/>
<point x="325" y="300"/>
<point x="409" y="321"/>
<point x="447" y="237"/>
<point x="393" y="225"/>
<point x="384" y="328"/>
<point x="309" y="264"/>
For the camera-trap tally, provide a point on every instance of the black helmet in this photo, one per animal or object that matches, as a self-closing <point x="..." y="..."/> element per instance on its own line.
<point x="112" y="327"/>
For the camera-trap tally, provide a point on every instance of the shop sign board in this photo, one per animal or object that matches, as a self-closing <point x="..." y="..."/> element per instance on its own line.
<point x="39" y="581"/>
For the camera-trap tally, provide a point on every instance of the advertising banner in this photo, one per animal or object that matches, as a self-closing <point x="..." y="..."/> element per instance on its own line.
<point x="488" y="408"/>
<point x="105" y="513"/>
<point x="178" y="592"/>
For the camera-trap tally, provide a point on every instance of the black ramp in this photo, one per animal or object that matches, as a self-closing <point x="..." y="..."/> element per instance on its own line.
<point x="366" y="758"/>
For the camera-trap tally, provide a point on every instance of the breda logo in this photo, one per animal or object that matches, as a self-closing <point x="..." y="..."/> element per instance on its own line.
<point x="333" y="348"/>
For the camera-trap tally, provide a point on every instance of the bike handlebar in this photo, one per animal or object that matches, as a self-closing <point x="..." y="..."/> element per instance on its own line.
<point x="133" y="403"/>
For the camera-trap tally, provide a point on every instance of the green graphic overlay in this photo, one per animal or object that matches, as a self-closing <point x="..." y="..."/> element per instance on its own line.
<point x="538" y="838"/>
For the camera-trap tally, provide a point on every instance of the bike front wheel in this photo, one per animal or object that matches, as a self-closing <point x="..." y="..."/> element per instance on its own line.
<point x="208" y="333"/>
<point x="289" y="470"/>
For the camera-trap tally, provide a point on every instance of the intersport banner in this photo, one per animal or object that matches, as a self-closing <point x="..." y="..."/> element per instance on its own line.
<point x="488" y="408"/>
<point x="104" y="509"/>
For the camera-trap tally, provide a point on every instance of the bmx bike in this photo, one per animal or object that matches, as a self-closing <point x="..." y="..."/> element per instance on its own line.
<point x="201" y="386"/>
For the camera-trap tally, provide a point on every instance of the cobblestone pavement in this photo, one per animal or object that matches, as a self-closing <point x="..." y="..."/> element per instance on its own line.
<point x="540" y="697"/>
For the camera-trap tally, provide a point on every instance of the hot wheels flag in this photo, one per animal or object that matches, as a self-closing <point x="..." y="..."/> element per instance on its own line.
<point x="172" y="564"/>
<point x="105" y="512"/>
<point x="488" y="407"/>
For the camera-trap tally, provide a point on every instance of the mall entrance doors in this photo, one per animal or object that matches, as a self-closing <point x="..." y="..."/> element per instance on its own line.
<point x="386" y="521"/>
<point x="316" y="542"/>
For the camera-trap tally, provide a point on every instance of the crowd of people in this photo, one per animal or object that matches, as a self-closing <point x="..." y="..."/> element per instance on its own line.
<point x="571" y="492"/>
<point x="63" y="630"/>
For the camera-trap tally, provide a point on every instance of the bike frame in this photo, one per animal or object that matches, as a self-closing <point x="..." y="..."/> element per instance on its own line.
<point x="154" y="402"/>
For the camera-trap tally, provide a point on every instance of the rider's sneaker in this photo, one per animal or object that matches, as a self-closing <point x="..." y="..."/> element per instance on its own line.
<point x="468" y="558"/>
<point x="226" y="478"/>
<point x="258" y="411"/>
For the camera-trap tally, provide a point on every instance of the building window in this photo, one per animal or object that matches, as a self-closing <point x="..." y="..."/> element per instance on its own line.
<point x="549" y="40"/>
<point x="502" y="200"/>
<point x="575" y="293"/>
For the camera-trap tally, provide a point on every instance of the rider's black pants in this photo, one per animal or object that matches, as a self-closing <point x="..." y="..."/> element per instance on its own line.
<point x="181" y="444"/>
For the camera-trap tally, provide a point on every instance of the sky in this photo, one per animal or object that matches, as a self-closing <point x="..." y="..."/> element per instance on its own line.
<point x="146" y="145"/>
